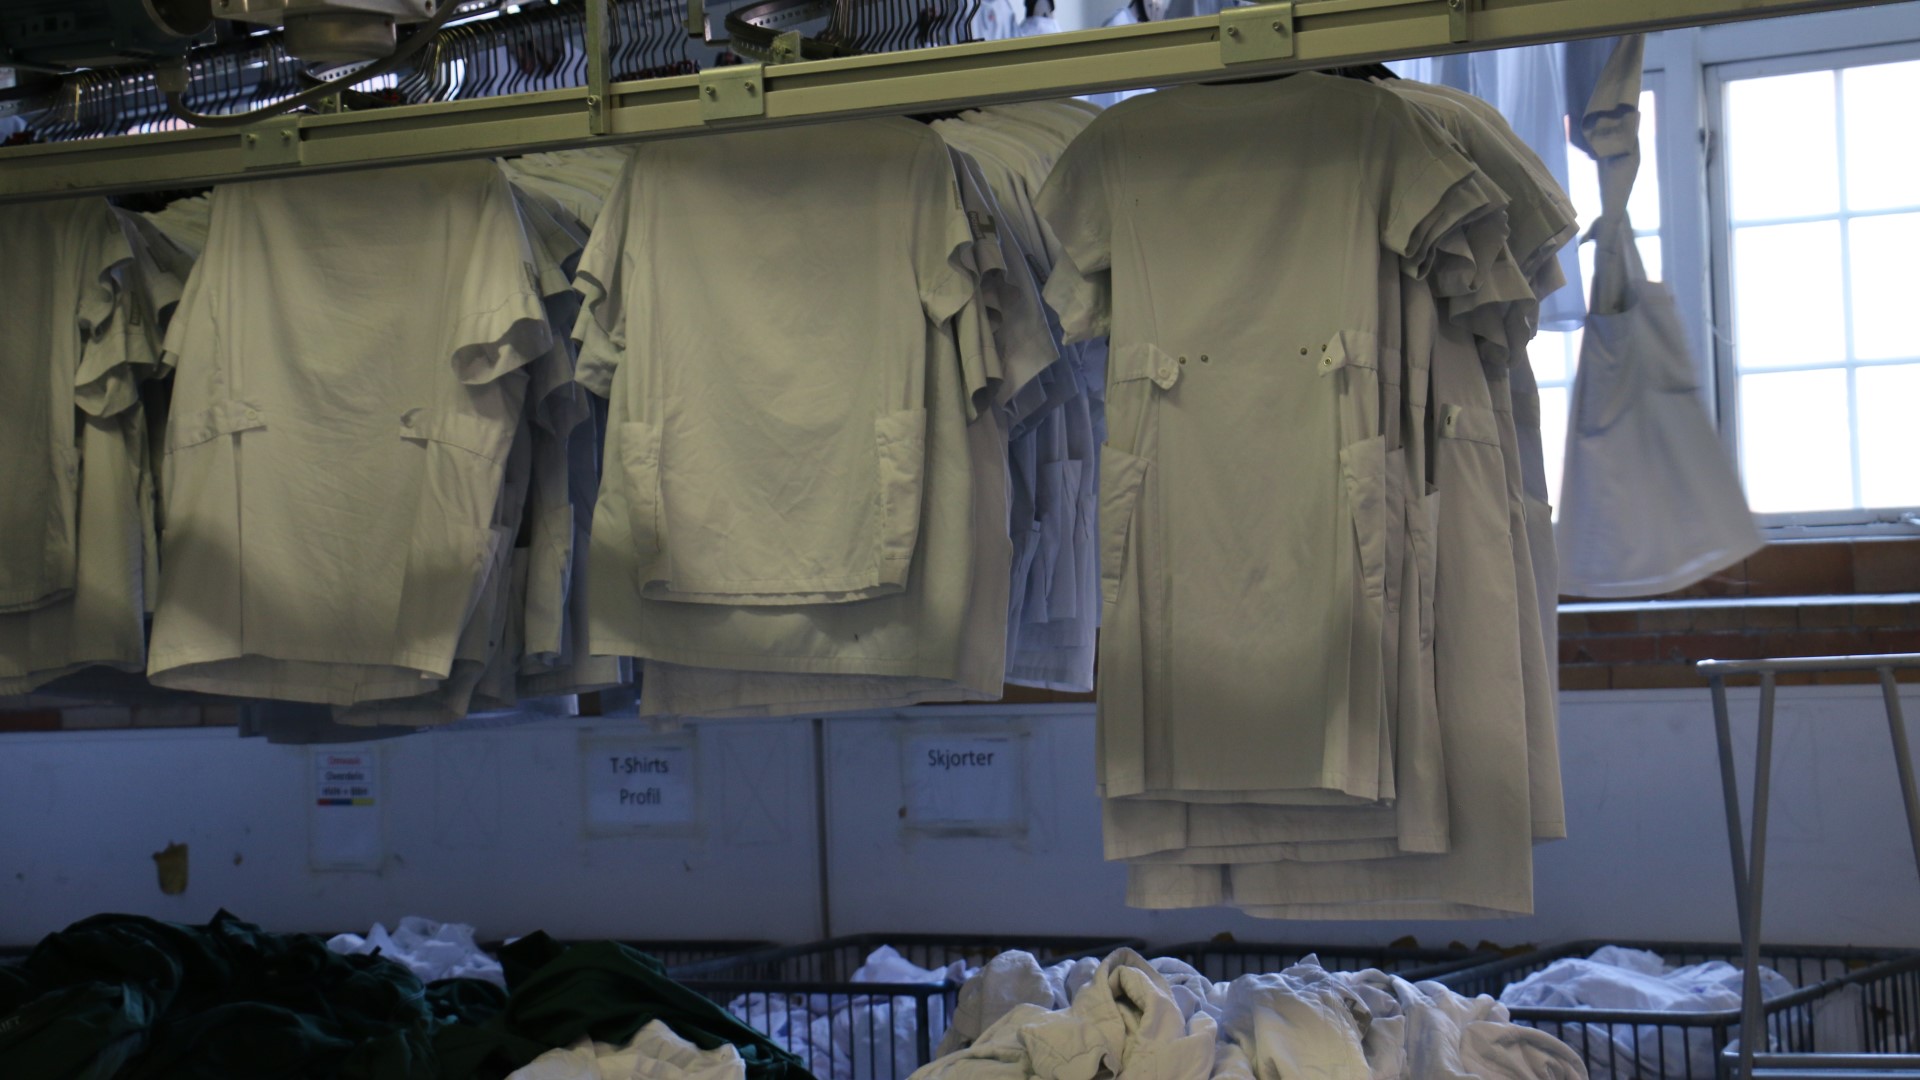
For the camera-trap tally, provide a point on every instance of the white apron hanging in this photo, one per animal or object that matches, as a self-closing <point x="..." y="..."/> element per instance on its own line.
<point x="1649" y="501"/>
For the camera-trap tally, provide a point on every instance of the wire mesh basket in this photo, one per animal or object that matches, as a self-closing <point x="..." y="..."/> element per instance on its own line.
<point x="676" y="953"/>
<point x="1845" y="1000"/>
<point x="805" y="999"/>
<point x="1223" y="961"/>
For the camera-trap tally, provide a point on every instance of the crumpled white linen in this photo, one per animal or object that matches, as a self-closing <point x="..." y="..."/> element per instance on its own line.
<point x="431" y="950"/>
<point x="655" y="1053"/>
<point x="1135" y="1020"/>
<point x="1620" y="978"/>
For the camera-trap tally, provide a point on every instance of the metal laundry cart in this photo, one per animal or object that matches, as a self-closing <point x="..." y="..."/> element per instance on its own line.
<point x="1750" y="851"/>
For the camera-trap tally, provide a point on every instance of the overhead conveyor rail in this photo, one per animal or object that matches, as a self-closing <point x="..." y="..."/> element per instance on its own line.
<point x="1241" y="42"/>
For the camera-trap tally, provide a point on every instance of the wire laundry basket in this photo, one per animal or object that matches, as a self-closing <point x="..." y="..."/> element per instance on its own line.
<point x="804" y="997"/>
<point x="1224" y="961"/>
<point x="1857" y="1000"/>
<point x="676" y="953"/>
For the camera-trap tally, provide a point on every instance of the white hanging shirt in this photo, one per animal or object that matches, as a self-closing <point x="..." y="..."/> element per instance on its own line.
<point x="767" y="293"/>
<point x="348" y="382"/>
<point x="56" y="352"/>
<point x="897" y="172"/>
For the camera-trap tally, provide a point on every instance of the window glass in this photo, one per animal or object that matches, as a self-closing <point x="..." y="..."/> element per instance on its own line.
<point x="1823" y="218"/>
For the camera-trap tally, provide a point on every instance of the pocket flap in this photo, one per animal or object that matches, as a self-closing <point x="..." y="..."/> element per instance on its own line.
<point x="1474" y="423"/>
<point x="221" y="418"/>
<point x="1143" y="360"/>
<point x="1350" y="349"/>
<point x="474" y="434"/>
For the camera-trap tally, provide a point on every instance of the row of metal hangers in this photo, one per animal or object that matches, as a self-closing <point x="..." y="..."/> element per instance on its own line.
<point x="540" y="46"/>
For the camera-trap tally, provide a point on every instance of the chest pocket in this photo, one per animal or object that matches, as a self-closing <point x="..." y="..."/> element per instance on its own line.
<point x="1470" y="423"/>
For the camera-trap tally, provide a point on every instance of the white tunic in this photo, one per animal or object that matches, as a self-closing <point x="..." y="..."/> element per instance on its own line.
<point x="1280" y="525"/>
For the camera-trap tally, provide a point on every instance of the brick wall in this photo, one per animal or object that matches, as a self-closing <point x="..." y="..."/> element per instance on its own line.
<point x="1787" y="600"/>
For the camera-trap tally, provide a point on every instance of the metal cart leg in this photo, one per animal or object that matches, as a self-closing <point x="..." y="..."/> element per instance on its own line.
<point x="1753" y="1024"/>
<point x="1902" y="758"/>
<point x="1730" y="789"/>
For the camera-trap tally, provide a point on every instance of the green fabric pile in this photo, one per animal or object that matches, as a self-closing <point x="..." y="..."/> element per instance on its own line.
<point x="132" y="998"/>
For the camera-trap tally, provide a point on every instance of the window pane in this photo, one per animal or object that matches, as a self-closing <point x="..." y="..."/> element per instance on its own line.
<point x="1643" y="205"/>
<point x="1886" y="286"/>
<point x="1553" y="433"/>
<point x="1784" y="156"/>
<point x="1883" y="157"/>
<point x="1553" y="355"/>
<point x="1583" y="185"/>
<point x="1650" y="257"/>
<point x="1787" y="308"/>
<point x="1795" y="447"/>
<point x="1889" y="399"/>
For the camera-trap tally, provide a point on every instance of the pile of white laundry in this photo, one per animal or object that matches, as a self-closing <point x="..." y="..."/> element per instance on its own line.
<point x="1163" y="1020"/>
<point x="655" y="1053"/>
<point x="1616" y="978"/>
<point x="856" y="1036"/>
<point x="431" y="950"/>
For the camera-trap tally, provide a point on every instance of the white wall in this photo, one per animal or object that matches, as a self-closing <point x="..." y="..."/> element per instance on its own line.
<point x="483" y="827"/>
<point x="486" y="827"/>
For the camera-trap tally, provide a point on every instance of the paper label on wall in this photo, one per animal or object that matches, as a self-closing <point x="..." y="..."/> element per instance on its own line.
<point x="965" y="781"/>
<point x="640" y="784"/>
<point x="344" y="809"/>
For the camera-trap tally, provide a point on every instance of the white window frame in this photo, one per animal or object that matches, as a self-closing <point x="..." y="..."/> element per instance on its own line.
<point x="1696" y="230"/>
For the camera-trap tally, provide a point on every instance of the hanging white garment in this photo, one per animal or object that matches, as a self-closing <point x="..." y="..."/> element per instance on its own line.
<point x="331" y="482"/>
<point x="1303" y="376"/>
<point x="1650" y="501"/>
<point x="655" y="1052"/>
<point x="772" y="425"/>
<point x="63" y="262"/>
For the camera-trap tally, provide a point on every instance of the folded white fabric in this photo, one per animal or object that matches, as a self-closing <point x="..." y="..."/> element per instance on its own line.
<point x="1617" y="978"/>
<point x="655" y="1053"/>
<point x="431" y="950"/>
<point x="1135" y="1020"/>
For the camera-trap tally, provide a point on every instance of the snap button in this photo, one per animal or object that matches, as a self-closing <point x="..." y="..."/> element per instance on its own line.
<point x="1326" y="361"/>
<point x="1203" y="358"/>
<point x="253" y="416"/>
<point x="1303" y="350"/>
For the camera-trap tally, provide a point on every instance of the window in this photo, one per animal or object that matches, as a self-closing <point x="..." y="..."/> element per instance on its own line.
<point x="1816" y="206"/>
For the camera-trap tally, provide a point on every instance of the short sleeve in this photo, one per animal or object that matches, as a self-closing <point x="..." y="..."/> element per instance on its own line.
<point x="942" y="235"/>
<point x="1082" y="301"/>
<point x="601" y="281"/>
<point x="1419" y="170"/>
<point x="1076" y="215"/>
<point x="106" y="382"/>
<point x="1021" y="336"/>
<point x="116" y="336"/>
<point x="505" y="327"/>
<point x="1076" y="202"/>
